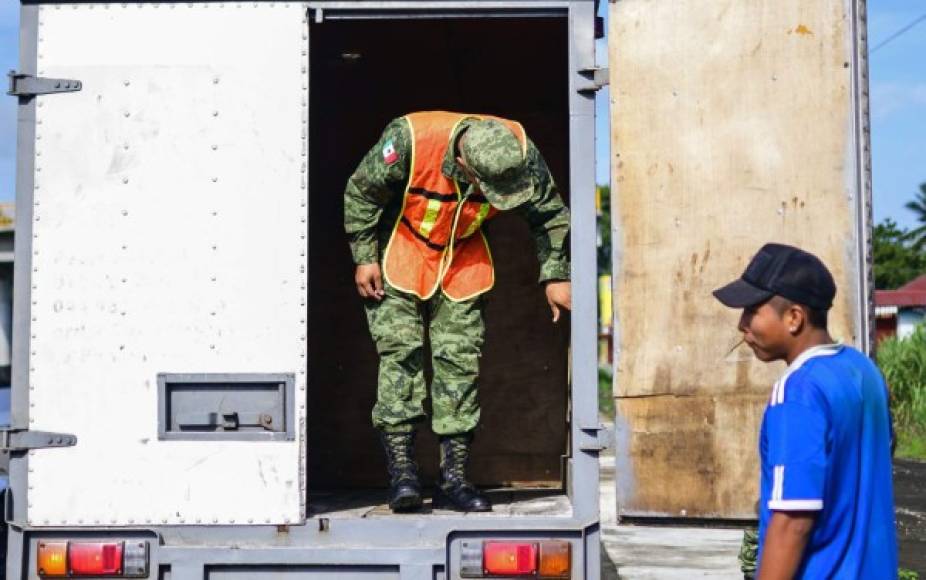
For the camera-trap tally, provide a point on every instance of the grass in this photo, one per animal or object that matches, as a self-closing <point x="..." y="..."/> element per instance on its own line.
<point x="911" y="445"/>
<point x="903" y="362"/>
<point x="605" y="392"/>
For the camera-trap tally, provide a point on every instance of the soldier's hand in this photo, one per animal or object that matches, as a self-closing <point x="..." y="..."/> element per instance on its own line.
<point x="369" y="280"/>
<point x="559" y="295"/>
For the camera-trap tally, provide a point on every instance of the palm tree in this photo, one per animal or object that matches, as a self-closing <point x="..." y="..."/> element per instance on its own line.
<point x="918" y="206"/>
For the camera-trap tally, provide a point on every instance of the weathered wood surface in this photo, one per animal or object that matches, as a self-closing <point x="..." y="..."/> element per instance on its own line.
<point x="732" y="126"/>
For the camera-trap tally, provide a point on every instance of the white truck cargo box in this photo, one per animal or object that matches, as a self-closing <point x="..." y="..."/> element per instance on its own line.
<point x="149" y="258"/>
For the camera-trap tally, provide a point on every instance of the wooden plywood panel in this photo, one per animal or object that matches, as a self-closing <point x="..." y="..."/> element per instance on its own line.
<point x="732" y="126"/>
<point x="689" y="456"/>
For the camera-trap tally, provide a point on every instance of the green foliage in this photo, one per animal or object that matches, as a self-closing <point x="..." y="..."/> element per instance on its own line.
<point x="903" y="362"/>
<point x="911" y="445"/>
<point x="896" y="260"/>
<point x="906" y="574"/>
<point x="918" y="206"/>
<point x="604" y="231"/>
<point x="605" y="392"/>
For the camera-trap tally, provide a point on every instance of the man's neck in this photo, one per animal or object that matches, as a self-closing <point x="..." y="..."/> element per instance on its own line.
<point x="807" y="340"/>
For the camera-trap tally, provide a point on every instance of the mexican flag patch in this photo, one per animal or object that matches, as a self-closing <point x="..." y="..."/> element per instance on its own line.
<point x="390" y="155"/>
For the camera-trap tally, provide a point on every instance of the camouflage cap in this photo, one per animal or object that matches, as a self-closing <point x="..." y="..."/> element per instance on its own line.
<point x="494" y="154"/>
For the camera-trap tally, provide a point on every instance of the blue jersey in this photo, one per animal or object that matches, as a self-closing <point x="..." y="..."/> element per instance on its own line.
<point x="825" y="446"/>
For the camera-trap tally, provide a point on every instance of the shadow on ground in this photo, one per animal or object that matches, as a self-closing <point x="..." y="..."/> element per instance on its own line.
<point x="608" y="567"/>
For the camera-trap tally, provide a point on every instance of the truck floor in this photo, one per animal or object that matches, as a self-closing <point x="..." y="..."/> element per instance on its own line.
<point x="506" y="503"/>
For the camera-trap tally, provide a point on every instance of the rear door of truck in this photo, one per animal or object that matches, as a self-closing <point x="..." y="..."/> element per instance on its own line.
<point x="733" y="124"/>
<point x="161" y="313"/>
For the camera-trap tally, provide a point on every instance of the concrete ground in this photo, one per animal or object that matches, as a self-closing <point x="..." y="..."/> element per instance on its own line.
<point x="633" y="552"/>
<point x="661" y="552"/>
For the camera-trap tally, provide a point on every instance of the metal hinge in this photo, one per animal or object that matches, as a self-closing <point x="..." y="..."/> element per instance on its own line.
<point x="597" y="77"/>
<point x="24" y="440"/>
<point x="13" y="440"/>
<point x="603" y="438"/>
<point x="27" y="86"/>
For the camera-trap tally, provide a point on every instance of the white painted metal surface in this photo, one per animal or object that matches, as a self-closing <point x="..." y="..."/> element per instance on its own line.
<point x="170" y="224"/>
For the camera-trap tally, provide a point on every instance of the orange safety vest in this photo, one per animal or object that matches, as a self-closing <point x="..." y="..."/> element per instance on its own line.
<point x="420" y="256"/>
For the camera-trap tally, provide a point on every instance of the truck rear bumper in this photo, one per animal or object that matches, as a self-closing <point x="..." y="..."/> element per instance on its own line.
<point x="403" y="548"/>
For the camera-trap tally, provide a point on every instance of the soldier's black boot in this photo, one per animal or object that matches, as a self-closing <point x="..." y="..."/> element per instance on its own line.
<point x="453" y="490"/>
<point x="404" y="487"/>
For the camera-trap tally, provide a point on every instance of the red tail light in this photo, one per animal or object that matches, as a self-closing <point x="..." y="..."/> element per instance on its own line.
<point x="510" y="558"/>
<point x="95" y="558"/>
<point x="125" y="559"/>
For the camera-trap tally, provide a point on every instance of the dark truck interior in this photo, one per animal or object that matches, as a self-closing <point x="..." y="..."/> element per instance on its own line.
<point x="362" y="75"/>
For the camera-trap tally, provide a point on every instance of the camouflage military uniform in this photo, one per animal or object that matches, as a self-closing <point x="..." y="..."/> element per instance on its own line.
<point x="372" y="203"/>
<point x="749" y="550"/>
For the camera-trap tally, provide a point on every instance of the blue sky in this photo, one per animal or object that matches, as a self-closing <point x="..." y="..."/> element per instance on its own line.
<point x="9" y="51"/>
<point x="898" y="106"/>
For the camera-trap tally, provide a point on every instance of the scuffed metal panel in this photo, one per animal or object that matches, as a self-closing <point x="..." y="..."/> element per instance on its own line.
<point x="732" y="126"/>
<point x="169" y="236"/>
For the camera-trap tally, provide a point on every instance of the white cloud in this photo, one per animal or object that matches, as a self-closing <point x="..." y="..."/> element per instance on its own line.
<point x="889" y="98"/>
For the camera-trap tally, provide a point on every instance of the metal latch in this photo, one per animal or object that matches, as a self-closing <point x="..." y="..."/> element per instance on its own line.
<point x="26" y="86"/>
<point x="225" y="421"/>
<point x="597" y="78"/>
<point x="603" y="438"/>
<point x="24" y="440"/>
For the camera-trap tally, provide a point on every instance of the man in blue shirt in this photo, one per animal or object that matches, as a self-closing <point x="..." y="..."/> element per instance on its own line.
<point x="826" y="497"/>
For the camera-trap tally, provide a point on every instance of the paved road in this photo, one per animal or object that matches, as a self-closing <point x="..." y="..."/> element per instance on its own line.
<point x="664" y="552"/>
<point x="910" y="499"/>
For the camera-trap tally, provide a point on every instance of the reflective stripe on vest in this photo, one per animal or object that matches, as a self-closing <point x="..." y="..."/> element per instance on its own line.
<point x="480" y="217"/>
<point x="430" y="217"/>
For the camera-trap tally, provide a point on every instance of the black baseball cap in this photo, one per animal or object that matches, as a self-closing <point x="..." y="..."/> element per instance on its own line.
<point x="786" y="271"/>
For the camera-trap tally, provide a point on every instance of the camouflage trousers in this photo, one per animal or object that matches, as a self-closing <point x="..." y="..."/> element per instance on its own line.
<point x="456" y="331"/>
<point x="749" y="550"/>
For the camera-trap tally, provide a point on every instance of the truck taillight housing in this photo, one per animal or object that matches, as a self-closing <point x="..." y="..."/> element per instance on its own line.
<point x="95" y="558"/>
<point x="515" y="559"/>
<point x="122" y="559"/>
<point x="555" y="559"/>
<point x="510" y="558"/>
<point x="52" y="559"/>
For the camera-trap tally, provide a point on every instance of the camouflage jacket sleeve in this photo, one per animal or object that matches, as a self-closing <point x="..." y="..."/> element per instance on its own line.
<point x="548" y="218"/>
<point x="379" y="179"/>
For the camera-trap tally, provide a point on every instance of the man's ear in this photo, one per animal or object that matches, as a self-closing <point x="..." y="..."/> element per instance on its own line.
<point x="796" y="318"/>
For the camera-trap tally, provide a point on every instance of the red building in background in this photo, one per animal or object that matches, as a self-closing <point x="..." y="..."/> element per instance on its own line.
<point x="897" y="312"/>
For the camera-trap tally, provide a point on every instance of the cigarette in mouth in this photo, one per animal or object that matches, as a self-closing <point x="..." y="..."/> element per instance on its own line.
<point x="735" y="346"/>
